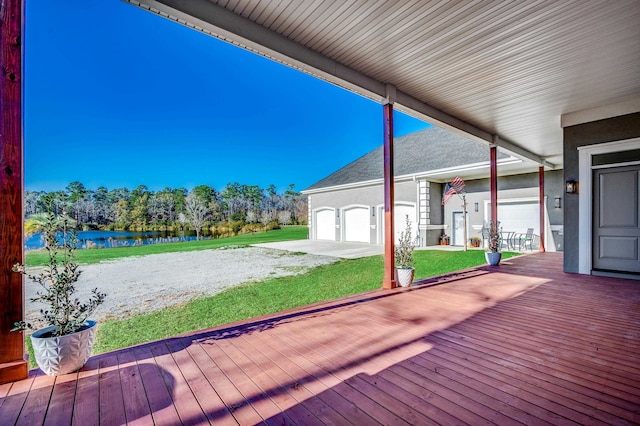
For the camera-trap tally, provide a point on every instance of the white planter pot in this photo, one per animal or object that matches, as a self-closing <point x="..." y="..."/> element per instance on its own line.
<point x="404" y="276"/>
<point x="493" y="258"/>
<point x="64" y="354"/>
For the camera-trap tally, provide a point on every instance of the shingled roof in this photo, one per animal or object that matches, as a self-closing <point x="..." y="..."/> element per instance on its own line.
<point x="416" y="153"/>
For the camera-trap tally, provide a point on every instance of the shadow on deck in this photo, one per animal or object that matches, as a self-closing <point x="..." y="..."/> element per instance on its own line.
<point x="519" y="343"/>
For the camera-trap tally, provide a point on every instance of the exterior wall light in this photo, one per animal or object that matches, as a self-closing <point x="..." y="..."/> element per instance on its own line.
<point x="571" y="187"/>
<point x="558" y="203"/>
<point x="373" y="211"/>
<point x="475" y="207"/>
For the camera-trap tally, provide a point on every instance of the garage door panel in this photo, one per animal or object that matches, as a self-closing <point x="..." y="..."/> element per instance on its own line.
<point x="356" y="225"/>
<point x="400" y="220"/>
<point x="518" y="217"/>
<point x="399" y="223"/>
<point x="325" y="225"/>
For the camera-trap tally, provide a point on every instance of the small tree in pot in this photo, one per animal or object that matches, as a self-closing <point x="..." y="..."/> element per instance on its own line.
<point x="404" y="256"/>
<point x="65" y="344"/>
<point x="493" y="254"/>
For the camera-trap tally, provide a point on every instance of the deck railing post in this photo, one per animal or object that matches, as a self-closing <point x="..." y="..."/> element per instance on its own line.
<point x="12" y="364"/>
<point x="389" y="281"/>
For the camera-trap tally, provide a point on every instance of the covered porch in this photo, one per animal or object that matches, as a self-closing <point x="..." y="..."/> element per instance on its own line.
<point x="520" y="343"/>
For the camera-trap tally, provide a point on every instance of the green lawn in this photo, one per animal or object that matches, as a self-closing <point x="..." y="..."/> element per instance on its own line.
<point x="343" y="278"/>
<point x="87" y="256"/>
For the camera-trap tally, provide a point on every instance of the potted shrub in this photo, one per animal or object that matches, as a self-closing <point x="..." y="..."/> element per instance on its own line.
<point x="444" y="240"/>
<point x="474" y="241"/>
<point x="65" y="344"/>
<point x="493" y="254"/>
<point x="404" y="257"/>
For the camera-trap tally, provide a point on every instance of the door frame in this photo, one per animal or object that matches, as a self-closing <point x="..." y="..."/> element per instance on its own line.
<point x="585" y="195"/>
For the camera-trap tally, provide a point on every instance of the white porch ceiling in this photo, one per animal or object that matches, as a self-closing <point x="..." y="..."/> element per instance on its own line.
<point x="504" y="68"/>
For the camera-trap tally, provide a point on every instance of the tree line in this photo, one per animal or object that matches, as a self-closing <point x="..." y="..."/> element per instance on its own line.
<point x="236" y="208"/>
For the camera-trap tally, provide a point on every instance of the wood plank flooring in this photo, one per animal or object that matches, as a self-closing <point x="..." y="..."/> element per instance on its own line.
<point x="522" y="343"/>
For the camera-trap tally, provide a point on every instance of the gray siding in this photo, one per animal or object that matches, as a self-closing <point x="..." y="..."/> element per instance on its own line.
<point x="597" y="132"/>
<point x="368" y="196"/>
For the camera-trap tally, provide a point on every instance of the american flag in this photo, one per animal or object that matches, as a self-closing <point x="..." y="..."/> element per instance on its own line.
<point x="456" y="186"/>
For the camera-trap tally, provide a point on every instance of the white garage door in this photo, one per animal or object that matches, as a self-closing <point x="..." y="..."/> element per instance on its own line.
<point x="519" y="216"/>
<point x="325" y="225"/>
<point x="400" y="219"/>
<point x="356" y="224"/>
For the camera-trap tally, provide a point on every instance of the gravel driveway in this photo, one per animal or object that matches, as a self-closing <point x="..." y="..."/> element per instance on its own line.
<point x="143" y="284"/>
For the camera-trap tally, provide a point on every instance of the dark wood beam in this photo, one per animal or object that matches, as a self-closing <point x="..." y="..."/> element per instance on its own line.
<point x="493" y="153"/>
<point x="12" y="364"/>
<point x="542" y="224"/>
<point x="389" y="280"/>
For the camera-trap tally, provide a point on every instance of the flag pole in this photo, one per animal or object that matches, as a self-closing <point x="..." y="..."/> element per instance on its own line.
<point x="464" y="220"/>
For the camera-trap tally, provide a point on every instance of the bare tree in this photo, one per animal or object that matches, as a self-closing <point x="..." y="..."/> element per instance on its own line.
<point x="196" y="213"/>
<point x="266" y="217"/>
<point x="162" y="208"/>
<point x="284" y="217"/>
<point x="31" y="202"/>
<point x="182" y="221"/>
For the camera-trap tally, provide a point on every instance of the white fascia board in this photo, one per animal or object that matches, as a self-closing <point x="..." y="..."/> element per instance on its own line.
<point x="450" y="171"/>
<point x="218" y="22"/>
<point x="600" y="113"/>
<point x="521" y="152"/>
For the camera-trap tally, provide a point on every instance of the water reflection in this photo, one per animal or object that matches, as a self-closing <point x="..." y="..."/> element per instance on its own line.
<point x="109" y="239"/>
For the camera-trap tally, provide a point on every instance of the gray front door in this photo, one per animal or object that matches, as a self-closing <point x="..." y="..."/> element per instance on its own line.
<point x="616" y="219"/>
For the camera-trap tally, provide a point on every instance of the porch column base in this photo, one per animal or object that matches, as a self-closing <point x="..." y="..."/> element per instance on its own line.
<point x="13" y="371"/>
<point x="389" y="284"/>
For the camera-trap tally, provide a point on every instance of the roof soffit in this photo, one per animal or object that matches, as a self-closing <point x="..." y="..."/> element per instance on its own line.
<point x="486" y="68"/>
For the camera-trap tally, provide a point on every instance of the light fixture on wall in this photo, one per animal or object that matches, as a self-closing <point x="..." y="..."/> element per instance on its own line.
<point x="373" y="211"/>
<point x="558" y="203"/>
<point x="571" y="187"/>
<point x="475" y="207"/>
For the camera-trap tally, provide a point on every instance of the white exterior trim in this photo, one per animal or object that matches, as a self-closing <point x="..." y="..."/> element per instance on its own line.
<point x="600" y="113"/>
<point x="585" y="196"/>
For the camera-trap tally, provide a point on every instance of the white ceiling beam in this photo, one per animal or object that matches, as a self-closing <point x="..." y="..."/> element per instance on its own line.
<point x="221" y="23"/>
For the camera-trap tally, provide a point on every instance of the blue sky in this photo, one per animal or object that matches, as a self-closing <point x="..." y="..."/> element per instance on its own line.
<point x="117" y="96"/>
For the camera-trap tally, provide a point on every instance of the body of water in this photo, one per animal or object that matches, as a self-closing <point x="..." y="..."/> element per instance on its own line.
<point x="109" y="239"/>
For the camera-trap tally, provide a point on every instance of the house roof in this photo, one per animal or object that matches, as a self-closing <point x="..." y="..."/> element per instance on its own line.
<point x="508" y="73"/>
<point x="418" y="153"/>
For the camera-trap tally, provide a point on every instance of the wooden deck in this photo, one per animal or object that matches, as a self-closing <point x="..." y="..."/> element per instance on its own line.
<point x="519" y="343"/>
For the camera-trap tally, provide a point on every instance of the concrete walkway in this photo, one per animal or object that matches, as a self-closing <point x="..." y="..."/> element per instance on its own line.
<point x="345" y="250"/>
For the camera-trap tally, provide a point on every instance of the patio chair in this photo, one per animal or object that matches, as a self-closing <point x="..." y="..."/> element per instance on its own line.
<point x="524" y="239"/>
<point x="485" y="233"/>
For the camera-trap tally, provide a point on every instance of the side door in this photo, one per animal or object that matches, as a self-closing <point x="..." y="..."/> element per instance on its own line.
<point x="616" y="224"/>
